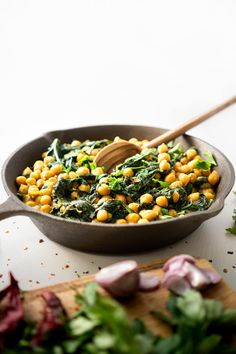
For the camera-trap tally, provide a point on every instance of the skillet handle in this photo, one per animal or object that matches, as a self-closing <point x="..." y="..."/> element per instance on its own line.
<point x="10" y="208"/>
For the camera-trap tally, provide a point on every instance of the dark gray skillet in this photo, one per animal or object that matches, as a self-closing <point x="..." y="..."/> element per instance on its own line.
<point x="109" y="238"/>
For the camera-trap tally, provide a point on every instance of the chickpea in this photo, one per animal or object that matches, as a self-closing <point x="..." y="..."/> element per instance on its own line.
<point x="132" y="218"/>
<point x="184" y="169"/>
<point x="117" y="138"/>
<point x="162" y="201"/>
<point x="214" y="177"/>
<point x="121" y="197"/>
<point x="46" y="191"/>
<point x="36" y="174"/>
<point x="48" y="159"/>
<point x="98" y="171"/>
<point x="146" y="198"/>
<point x="134" y="207"/>
<point x="103" y="189"/>
<point x="103" y="180"/>
<point x="40" y="183"/>
<point x="33" y="191"/>
<point x="197" y="172"/>
<point x="53" y="180"/>
<point x="176" y="184"/>
<point x="184" y="160"/>
<point x="143" y="221"/>
<point x="175" y="196"/>
<point x="133" y="140"/>
<point x="177" y="166"/>
<point x="31" y="181"/>
<point x="121" y="221"/>
<point x="56" y="170"/>
<point x="75" y="143"/>
<point x="164" y="165"/>
<point x="191" y="153"/>
<point x="21" y="180"/>
<point x="170" y="177"/>
<point x="38" y="199"/>
<point x="193" y="197"/>
<point x="163" y="156"/>
<point x="172" y="212"/>
<point x="104" y="199"/>
<point x="94" y="152"/>
<point x="84" y="188"/>
<point x="148" y="214"/>
<point x="192" y="177"/>
<point x="27" y="171"/>
<point x="191" y="164"/>
<point x="23" y="189"/>
<point x="128" y="172"/>
<point x="102" y="215"/>
<point x="72" y="175"/>
<point x="83" y="171"/>
<point x="80" y="156"/>
<point x="64" y="176"/>
<point x="39" y="165"/>
<point x="74" y="195"/>
<point x="184" y="179"/>
<point x="45" y="199"/>
<point x="46" y="174"/>
<point x="162" y="148"/>
<point x="209" y="195"/>
<point x="46" y="208"/>
<point x="157" y="209"/>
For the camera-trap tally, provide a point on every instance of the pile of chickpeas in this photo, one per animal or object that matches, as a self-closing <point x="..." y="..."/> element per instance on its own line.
<point x="36" y="184"/>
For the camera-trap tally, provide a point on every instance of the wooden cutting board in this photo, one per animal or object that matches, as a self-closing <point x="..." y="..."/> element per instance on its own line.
<point x="137" y="307"/>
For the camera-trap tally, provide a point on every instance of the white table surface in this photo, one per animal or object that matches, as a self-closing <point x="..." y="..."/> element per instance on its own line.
<point x="74" y="63"/>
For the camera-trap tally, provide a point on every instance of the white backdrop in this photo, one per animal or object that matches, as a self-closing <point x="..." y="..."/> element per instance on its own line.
<point x="70" y="63"/>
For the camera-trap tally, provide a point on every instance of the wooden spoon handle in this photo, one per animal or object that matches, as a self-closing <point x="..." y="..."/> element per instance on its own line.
<point x="181" y="129"/>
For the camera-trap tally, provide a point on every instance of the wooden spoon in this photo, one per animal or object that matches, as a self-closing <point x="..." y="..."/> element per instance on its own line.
<point x="115" y="153"/>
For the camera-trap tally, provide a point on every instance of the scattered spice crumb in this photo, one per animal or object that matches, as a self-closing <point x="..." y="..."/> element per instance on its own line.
<point x="185" y="241"/>
<point x="17" y="227"/>
<point x="234" y="266"/>
<point x="8" y="259"/>
<point x="7" y="264"/>
<point x="225" y="270"/>
<point x="92" y="262"/>
<point x="7" y="231"/>
<point x="3" y="281"/>
<point x="230" y="252"/>
<point x="41" y="240"/>
<point x="1" y="275"/>
<point x="66" y="266"/>
<point x="25" y="248"/>
<point x="13" y="222"/>
<point x="86" y="272"/>
<point x="210" y="260"/>
<point x="30" y="281"/>
<point x="41" y="263"/>
<point x="53" y="274"/>
<point x="56" y="254"/>
<point x="37" y="282"/>
<point x="99" y="268"/>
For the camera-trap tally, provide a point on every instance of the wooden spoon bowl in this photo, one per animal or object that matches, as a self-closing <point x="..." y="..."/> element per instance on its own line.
<point x="115" y="153"/>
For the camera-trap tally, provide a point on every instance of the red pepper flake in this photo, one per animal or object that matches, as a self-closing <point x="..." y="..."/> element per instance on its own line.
<point x="41" y="240"/>
<point x="225" y="270"/>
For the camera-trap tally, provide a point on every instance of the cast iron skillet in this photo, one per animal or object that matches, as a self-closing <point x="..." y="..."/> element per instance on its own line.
<point x="109" y="238"/>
